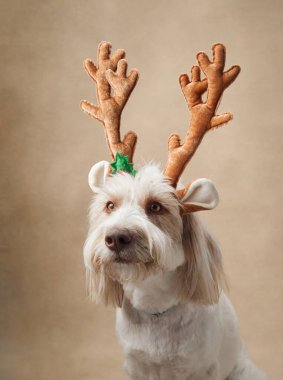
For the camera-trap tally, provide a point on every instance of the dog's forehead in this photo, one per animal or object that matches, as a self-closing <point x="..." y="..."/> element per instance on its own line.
<point x="149" y="181"/>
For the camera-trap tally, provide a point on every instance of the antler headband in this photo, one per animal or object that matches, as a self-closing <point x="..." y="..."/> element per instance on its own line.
<point x="114" y="88"/>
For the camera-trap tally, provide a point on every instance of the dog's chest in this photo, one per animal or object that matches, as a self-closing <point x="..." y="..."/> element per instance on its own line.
<point x="178" y="335"/>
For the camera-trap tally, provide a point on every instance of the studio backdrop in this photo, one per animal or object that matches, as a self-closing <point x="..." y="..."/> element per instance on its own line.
<point x="49" y="329"/>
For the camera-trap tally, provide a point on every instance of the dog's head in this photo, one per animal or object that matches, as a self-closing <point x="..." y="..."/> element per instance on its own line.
<point x="138" y="226"/>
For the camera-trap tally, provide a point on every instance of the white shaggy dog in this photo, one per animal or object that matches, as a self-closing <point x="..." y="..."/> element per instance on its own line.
<point x="146" y="252"/>
<point x="164" y="273"/>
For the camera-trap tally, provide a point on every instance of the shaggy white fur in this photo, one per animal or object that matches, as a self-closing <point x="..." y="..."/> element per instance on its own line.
<point x="164" y="272"/>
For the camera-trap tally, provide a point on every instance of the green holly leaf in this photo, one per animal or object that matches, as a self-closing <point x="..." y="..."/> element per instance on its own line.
<point x="122" y="163"/>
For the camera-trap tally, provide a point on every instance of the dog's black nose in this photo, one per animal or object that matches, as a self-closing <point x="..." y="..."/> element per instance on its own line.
<point x="118" y="240"/>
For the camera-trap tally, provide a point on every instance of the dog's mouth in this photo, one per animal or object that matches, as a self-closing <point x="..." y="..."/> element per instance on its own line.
<point x="129" y="264"/>
<point x="131" y="256"/>
<point x="123" y="260"/>
<point x="125" y="257"/>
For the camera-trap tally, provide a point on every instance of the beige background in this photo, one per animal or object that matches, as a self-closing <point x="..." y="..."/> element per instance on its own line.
<point x="49" y="329"/>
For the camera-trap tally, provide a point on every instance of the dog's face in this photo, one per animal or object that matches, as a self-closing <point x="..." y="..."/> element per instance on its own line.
<point x="136" y="223"/>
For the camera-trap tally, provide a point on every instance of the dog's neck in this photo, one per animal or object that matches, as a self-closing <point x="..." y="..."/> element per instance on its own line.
<point x="155" y="294"/>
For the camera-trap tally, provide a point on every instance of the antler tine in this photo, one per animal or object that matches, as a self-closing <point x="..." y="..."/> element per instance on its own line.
<point x="203" y="116"/>
<point x="111" y="75"/>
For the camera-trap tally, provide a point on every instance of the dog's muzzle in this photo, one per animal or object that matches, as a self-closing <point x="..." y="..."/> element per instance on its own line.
<point x="127" y="246"/>
<point x="121" y="242"/>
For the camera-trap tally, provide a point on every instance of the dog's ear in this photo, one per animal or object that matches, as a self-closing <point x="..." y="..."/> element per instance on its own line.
<point x="201" y="277"/>
<point x="97" y="175"/>
<point x="199" y="195"/>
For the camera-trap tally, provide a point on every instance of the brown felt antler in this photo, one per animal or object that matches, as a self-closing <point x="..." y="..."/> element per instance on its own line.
<point x="203" y="116"/>
<point x="111" y="74"/>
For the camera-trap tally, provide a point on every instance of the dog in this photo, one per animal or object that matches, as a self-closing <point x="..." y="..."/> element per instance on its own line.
<point x="150" y="256"/>
<point x="164" y="273"/>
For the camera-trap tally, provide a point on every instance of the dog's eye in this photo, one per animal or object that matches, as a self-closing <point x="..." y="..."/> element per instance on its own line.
<point x="155" y="207"/>
<point x="110" y="206"/>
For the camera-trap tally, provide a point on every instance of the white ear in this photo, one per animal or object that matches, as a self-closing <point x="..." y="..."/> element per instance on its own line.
<point x="201" y="193"/>
<point x="97" y="175"/>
